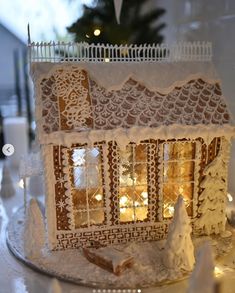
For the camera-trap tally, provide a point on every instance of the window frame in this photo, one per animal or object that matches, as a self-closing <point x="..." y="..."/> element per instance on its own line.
<point x="196" y="175"/>
<point x="87" y="210"/>
<point x="152" y="189"/>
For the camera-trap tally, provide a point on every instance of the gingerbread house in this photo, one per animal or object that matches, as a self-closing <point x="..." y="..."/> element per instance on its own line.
<point x="124" y="131"/>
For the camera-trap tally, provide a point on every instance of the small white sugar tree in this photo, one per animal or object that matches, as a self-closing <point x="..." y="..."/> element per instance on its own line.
<point x="178" y="253"/>
<point x="202" y="278"/>
<point x="213" y="197"/>
<point x="55" y="286"/>
<point x="7" y="185"/>
<point x="34" y="230"/>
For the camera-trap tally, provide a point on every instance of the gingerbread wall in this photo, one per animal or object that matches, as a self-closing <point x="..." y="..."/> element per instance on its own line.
<point x="154" y="227"/>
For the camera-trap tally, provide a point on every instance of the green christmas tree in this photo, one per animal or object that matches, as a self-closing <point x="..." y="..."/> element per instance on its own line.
<point x="138" y="25"/>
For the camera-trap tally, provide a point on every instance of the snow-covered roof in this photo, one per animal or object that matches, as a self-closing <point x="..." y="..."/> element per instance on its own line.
<point x="173" y="89"/>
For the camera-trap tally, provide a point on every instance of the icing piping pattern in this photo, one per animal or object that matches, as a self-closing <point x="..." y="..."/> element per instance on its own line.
<point x="196" y="102"/>
<point x="70" y="100"/>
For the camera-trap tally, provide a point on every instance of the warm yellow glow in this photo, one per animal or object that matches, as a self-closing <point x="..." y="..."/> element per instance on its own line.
<point x="106" y="60"/>
<point x="144" y="194"/>
<point x="168" y="210"/>
<point x="122" y="210"/>
<point x="145" y="202"/>
<point x="229" y="196"/>
<point x="181" y="190"/>
<point x="171" y="210"/>
<point x="98" y="197"/>
<point x="97" y="32"/>
<point x="21" y="183"/>
<point x="218" y="272"/>
<point x="123" y="200"/>
<point x="136" y="203"/>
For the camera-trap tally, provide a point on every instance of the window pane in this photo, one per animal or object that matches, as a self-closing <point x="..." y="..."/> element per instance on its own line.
<point x="133" y="203"/>
<point x="177" y="150"/>
<point x="94" y="176"/>
<point x="87" y="185"/>
<point x="126" y="214"/>
<point x="140" y="174"/>
<point x="79" y="199"/>
<point x="78" y="157"/>
<point x="80" y="219"/>
<point x="141" y="213"/>
<point x="171" y="193"/>
<point x="96" y="217"/>
<point x="178" y="171"/>
<point x="133" y="183"/>
<point x="95" y="198"/>
<point x="93" y="156"/>
<point x="79" y="176"/>
<point x="141" y="153"/>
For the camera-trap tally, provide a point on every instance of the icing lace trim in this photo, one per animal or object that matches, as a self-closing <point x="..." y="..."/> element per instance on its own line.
<point x="196" y="102"/>
<point x="65" y="100"/>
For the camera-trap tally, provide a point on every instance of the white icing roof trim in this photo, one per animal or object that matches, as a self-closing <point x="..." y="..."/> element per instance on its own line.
<point x="162" y="77"/>
<point x="136" y="134"/>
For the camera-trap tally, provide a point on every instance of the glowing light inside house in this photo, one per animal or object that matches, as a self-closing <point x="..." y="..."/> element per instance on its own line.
<point x="229" y="196"/>
<point x="97" y="32"/>
<point x="122" y="210"/>
<point x="145" y="202"/>
<point x="171" y="210"/>
<point x="123" y="200"/>
<point x="98" y="197"/>
<point x="181" y="190"/>
<point x="106" y="59"/>
<point x="144" y="194"/>
<point x="218" y="271"/>
<point x="136" y="203"/>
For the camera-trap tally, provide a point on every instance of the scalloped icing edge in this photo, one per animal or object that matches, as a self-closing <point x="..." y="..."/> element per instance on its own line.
<point x="111" y="82"/>
<point x="136" y="134"/>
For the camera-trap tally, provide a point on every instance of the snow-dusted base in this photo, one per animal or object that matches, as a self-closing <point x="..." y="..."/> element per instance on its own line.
<point x="72" y="266"/>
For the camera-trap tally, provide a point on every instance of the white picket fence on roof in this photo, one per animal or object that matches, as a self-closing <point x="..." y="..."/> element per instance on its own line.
<point x="84" y="52"/>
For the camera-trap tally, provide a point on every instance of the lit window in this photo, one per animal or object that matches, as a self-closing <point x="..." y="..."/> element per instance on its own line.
<point x="133" y="187"/>
<point x="178" y="175"/>
<point x="87" y="186"/>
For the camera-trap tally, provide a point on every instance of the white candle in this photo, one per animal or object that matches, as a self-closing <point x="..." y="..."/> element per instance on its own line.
<point x="16" y="133"/>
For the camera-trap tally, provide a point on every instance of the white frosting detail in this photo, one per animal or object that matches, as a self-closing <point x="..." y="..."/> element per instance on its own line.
<point x="179" y="250"/>
<point x="34" y="231"/>
<point x="136" y="134"/>
<point x="202" y="278"/>
<point x="49" y="177"/>
<point x="112" y="76"/>
<point x="112" y="254"/>
<point x="107" y="184"/>
<point x="213" y="197"/>
<point x="68" y="192"/>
